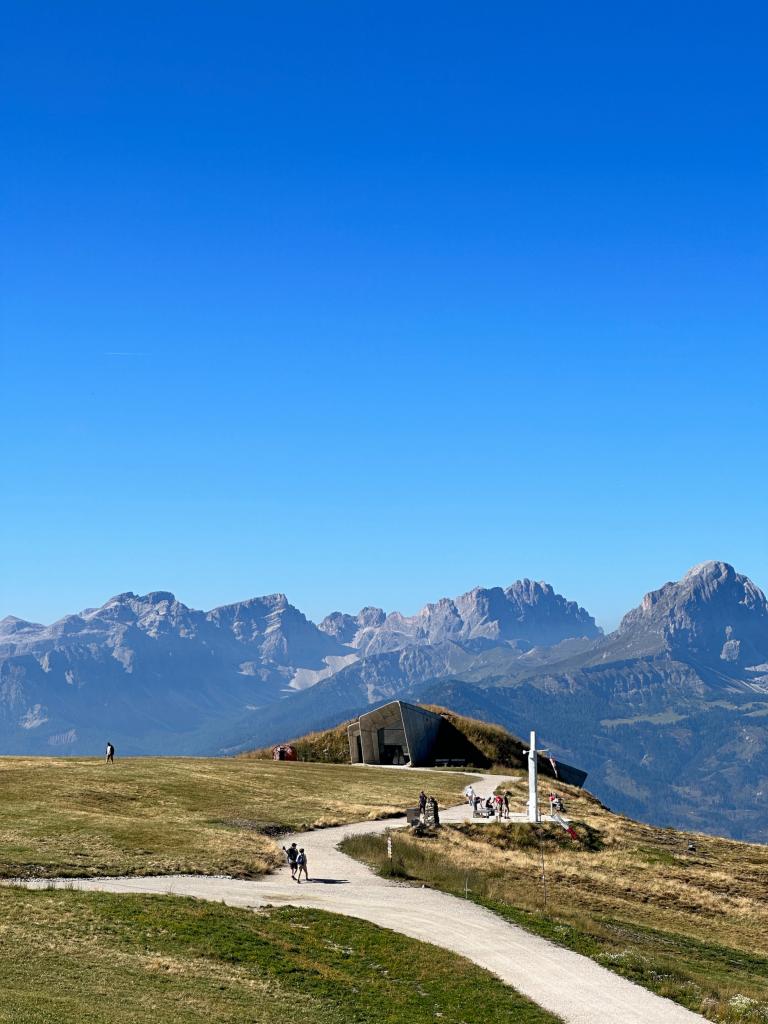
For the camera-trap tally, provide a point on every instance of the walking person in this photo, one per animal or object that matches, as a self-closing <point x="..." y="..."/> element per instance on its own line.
<point x="301" y="864"/>
<point x="422" y="804"/>
<point x="292" y="854"/>
<point x="469" y="793"/>
<point x="110" y="758"/>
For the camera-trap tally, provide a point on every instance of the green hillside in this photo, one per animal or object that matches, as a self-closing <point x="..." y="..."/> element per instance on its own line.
<point x="157" y="815"/>
<point x="87" y="958"/>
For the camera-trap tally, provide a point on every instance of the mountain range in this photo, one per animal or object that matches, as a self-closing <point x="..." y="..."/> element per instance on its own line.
<point x="669" y="713"/>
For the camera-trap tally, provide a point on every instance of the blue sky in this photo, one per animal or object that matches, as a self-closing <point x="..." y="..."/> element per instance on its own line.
<point x="374" y="303"/>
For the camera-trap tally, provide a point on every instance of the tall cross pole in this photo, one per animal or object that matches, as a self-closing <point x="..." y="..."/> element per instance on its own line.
<point x="533" y="782"/>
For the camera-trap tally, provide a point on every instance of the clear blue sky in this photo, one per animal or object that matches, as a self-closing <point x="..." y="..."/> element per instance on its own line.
<point x="370" y="303"/>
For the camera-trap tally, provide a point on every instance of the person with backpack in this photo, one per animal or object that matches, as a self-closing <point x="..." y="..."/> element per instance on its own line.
<point x="110" y="759"/>
<point x="292" y="854"/>
<point x="301" y="864"/>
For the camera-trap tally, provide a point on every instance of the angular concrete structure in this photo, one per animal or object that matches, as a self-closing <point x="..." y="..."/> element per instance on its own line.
<point x="395" y="733"/>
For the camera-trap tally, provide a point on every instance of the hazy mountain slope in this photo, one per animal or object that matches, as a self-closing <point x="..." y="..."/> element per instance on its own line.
<point x="157" y="676"/>
<point x="527" y="612"/>
<point x="149" y="672"/>
<point x="669" y="714"/>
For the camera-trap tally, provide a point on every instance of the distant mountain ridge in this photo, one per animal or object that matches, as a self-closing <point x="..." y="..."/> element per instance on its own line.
<point x="162" y="673"/>
<point x="669" y="713"/>
<point x="527" y="611"/>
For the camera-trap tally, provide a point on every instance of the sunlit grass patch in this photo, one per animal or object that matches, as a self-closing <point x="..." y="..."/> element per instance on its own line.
<point x="691" y="924"/>
<point x="83" y="958"/>
<point x="72" y="817"/>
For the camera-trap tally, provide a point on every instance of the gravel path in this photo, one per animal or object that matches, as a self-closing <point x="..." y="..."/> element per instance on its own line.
<point x="565" y="983"/>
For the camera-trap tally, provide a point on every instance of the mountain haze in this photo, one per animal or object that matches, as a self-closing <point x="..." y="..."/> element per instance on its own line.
<point x="668" y="714"/>
<point x="164" y="677"/>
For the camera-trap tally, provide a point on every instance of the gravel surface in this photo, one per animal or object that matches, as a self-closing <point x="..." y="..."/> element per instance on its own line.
<point x="565" y="983"/>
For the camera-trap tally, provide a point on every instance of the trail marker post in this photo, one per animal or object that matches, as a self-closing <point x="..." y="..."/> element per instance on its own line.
<point x="389" y="847"/>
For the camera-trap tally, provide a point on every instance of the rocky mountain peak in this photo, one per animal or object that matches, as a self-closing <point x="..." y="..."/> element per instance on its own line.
<point x="713" y="612"/>
<point x="526" y="610"/>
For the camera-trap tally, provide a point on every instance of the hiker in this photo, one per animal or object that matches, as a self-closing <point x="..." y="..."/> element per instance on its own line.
<point x="499" y="802"/>
<point x="435" y="811"/>
<point x="422" y="804"/>
<point x="292" y="854"/>
<point x="476" y="808"/>
<point x="469" y="793"/>
<point x="301" y="864"/>
<point x="506" y="804"/>
<point x="110" y="759"/>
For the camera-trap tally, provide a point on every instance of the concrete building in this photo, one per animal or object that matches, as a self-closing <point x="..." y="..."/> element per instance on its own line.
<point x="396" y="733"/>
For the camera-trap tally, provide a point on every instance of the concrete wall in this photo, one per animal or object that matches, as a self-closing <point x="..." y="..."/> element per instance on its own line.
<point x="421" y="729"/>
<point x="417" y="727"/>
<point x="353" y="734"/>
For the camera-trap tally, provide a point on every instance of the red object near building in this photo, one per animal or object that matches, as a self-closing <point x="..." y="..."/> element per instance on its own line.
<point x="284" y="752"/>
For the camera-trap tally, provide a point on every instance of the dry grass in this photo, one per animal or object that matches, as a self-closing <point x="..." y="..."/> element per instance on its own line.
<point x="720" y="890"/>
<point x="72" y="817"/>
<point x="692" y="925"/>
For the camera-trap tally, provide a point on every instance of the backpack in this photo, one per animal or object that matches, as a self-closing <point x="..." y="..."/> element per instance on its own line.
<point x="301" y="859"/>
<point x="292" y="855"/>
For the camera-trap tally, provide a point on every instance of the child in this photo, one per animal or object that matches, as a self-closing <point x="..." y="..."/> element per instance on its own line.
<point x="301" y="864"/>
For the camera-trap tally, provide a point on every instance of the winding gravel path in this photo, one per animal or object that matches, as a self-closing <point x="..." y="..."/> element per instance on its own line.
<point x="565" y="983"/>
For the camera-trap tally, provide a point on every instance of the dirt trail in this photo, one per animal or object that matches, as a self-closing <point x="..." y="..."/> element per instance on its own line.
<point x="565" y="983"/>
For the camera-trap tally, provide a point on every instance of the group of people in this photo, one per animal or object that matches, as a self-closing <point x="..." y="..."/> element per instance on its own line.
<point x="428" y="809"/>
<point x="556" y="802"/>
<point x="495" y="805"/>
<point x="297" y="862"/>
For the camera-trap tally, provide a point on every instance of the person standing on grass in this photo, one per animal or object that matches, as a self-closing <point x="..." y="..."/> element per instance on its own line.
<point x="301" y="863"/>
<point x="422" y="803"/>
<point x="506" y="804"/>
<point x="110" y="759"/>
<point x="292" y="854"/>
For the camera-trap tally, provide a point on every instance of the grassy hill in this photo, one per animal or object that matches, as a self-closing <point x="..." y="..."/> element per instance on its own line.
<point x="689" y="924"/>
<point x="85" y="958"/>
<point x="69" y="957"/>
<point x="481" y="744"/>
<point x="142" y="816"/>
